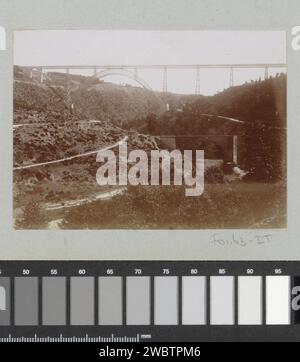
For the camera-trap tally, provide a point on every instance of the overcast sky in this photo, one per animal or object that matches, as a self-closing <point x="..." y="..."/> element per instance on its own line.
<point x="76" y="47"/>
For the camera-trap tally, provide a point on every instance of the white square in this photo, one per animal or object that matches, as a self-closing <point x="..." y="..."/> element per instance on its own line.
<point x="222" y="300"/>
<point x="278" y="300"/>
<point x="249" y="300"/>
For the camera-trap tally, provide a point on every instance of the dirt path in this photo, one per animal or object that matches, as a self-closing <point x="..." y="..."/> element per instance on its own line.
<point x="37" y="124"/>
<point x="71" y="157"/>
<point x="223" y="117"/>
<point x="101" y="196"/>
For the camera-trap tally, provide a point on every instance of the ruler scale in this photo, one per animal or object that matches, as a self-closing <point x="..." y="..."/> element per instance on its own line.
<point x="148" y="301"/>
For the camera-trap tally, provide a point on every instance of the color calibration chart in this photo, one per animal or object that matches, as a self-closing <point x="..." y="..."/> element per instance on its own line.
<point x="131" y="301"/>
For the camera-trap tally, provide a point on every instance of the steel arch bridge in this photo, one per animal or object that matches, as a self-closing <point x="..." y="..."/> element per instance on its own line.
<point x="123" y="72"/>
<point x="132" y="71"/>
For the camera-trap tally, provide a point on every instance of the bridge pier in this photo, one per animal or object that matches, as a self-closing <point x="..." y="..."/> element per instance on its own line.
<point x="42" y="76"/>
<point x="136" y="75"/>
<point x="266" y="72"/>
<point x="165" y="80"/>
<point x="231" y="80"/>
<point x="197" y="88"/>
<point x="235" y="149"/>
<point x="68" y="88"/>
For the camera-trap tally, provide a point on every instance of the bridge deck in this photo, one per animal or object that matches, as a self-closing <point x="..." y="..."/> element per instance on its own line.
<point x="158" y="66"/>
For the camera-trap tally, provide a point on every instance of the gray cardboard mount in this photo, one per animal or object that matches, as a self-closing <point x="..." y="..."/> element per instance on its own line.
<point x="148" y="15"/>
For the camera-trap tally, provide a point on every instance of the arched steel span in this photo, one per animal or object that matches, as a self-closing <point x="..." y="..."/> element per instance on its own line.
<point x="123" y="72"/>
<point x="132" y="70"/>
<point x="131" y="74"/>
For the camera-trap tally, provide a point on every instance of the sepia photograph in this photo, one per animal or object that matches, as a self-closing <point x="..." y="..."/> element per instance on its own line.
<point x="149" y="129"/>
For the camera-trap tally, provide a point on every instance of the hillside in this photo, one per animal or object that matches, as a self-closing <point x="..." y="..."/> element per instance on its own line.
<point x="54" y="141"/>
<point x="91" y="98"/>
<point x="47" y="129"/>
<point x="116" y="103"/>
<point x="260" y="105"/>
<point x="263" y="100"/>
